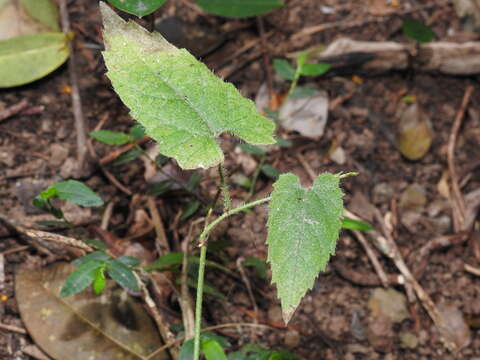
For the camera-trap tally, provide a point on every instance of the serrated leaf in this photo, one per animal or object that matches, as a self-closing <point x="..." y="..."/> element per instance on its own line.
<point x="76" y="192"/>
<point x="417" y="31"/>
<point x="303" y="226"/>
<point x="110" y="137"/>
<point x="80" y="279"/>
<point x="122" y="274"/>
<point x="181" y="104"/>
<point x="27" y="58"/>
<point x="239" y="8"/>
<point x="137" y="7"/>
<point x="284" y="69"/>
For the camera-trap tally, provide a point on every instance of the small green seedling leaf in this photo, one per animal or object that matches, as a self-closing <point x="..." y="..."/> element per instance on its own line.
<point x="303" y="226"/>
<point x="284" y="69"/>
<point x="111" y="137"/>
<point x="99" y="282"/>
<point x="127" y="157"/>
<point x="181" y="104"/>
<point x="272" y="114"/>
<point x="186" y="351"/>
<point x="191" y="209"/>
<point x="418" y="31"/>
<point x="160" y="188"/>
<point x="284" y="143"/>
<point x="96" y="243"/>
<point x="27" y="58"/>
<point x="137" y="131"/>
<point x="53" y="223"/>
<point x="352" y="224"/>
<point x="98" y="256"/>
<point x="138" y="8"/>
<point x="122" y="274"/>
<point x="239" y="8"/>
<point x="259" y="265"/>
<point x="270" y="171"/>
<point x="252" y="149"/>
<point x="300" y="92"/>
<point x="130" y="261"/>
<point x="80" y="279"/>
<point x="174" y="258"/>
<point x="213" y="350"/>
<point x="76" y="192"/>
<point x="314" y="69"/>
<point x="194" y="181"/>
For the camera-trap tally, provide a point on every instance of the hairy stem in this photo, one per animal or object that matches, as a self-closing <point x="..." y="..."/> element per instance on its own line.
<point x="202" y="242"/>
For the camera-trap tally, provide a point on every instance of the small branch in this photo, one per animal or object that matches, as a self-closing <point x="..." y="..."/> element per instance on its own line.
<point x="13" y="110"/>
<point x="12" y="328"/>
<point x="457" y="197"/>
<point x="161" y="241"/>
<point x="76" y="100"/>
<point x="186" y="304"/>
<point x="266" y="56"/>
<point x="240" y="261"/>
<point x="227" y="201"/>
<point x="472" y="270"/>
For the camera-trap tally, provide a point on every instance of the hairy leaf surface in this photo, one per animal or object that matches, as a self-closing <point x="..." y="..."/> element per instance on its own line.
<point x="178" y="100"/>
<point x="303" y="226"/>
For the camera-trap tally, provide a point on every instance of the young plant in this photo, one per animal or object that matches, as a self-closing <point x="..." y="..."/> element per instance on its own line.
<point x="227" y="8"/>
<point x="185" y="108"/>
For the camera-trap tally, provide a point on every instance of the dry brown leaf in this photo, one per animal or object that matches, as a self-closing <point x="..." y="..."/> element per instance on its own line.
<point x="415" y="133"/>
<point x="84" y="326"/>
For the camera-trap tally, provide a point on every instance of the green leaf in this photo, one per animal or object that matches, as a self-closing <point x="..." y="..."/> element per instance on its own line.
<point x="213" y="350"/>
<point x="191" y="209"/>
<point x="122" y="274"/>
<point x="186" y="351"/>
<point x="111" y="137"/>
<point x="284" y="69"/>
<point x="27" y="58"/>
<point x="80" y="279"/>
<point x="259" y="265"/>
<point x="303" y="226"/>
<point x="137" y="132"/>
<point x="352" y="224"/>
<point x="314" y="69"/>
<point x="43" y="11"/>
<point x="181" y="104"/>
<point x="417" y="31"/>
<point x="174" y="258"/>
<point x="98" y="256"/>
<point x="160" y="188"/>
<point x="75" y="192"/>
<point x="194" y="181"/>
<point x="252" y="149"/>
<point x="137" y="7"/>
<point x="219" y="339"/>
<point x="126" y="157"/>
<point x="130" y="261"/>
<point x="270" y="171"/>
<point x="99" y="282"/>
<point x="284" y="143"/>
<point x="96" y="243"/>
<point x="301" y="92"/>
<point x="239" y="8"/>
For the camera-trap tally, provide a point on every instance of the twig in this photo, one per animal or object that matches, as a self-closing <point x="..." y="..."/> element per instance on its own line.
<point x="13" y="110"/>
<point x="165" y="332"/>
<point x="471" y="269"/>
<point x="161" y="241"/>
<point x="107" y="214"/>
<point x="363" y="278"/>
<point x="76" y="100"/>
<point x="389" y="247"/>
<point x="111" y="156"/>
<point x="240" y="261"/>
<point x="306" y="166"/>
<point x="458" y="200"/>
<point x="14" y="250"/>
<point x="370" y="252"/>
<point x="12" y="328"/>
<point x="2" y="272"/>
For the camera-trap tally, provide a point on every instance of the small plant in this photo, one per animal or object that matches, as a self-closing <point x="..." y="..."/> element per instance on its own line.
<point x="184" y="107"/>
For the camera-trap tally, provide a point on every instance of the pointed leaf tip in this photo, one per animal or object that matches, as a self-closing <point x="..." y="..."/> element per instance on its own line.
<point x="303" y="226"/>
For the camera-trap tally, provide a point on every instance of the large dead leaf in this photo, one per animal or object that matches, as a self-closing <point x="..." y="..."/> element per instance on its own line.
<point x="85" y="326"/>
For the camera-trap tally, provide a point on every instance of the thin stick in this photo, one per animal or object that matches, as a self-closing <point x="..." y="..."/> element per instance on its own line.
<point x="458" y="200"/>
<point x="471" y="269"/>
<point x="161" y="241"/>
<point x="240" y="261"/>
<point x="12" y="328"/>
<point x="227" y="201"/>
<point x="186" y="304"/>
<point x="13" y="110"/>
<point x="14" y="250"/>
<point x="266" y="56"/>
<point x="76" y="100"/>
